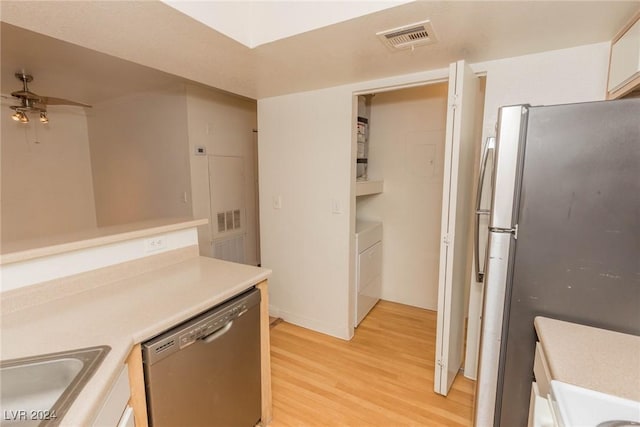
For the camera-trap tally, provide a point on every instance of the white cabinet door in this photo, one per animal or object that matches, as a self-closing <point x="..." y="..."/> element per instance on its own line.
<point x="127" y="419"/>
<point x="456" y="214"/>
<point x="116" y="402"/>
<point x="625" y="58"/>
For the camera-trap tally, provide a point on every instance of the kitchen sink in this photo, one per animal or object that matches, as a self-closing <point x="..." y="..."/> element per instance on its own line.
<point x="38" y="390"/>
<point x="577" y="406"/>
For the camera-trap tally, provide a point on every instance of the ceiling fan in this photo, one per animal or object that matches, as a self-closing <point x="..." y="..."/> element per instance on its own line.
<point x="31" y="102"/>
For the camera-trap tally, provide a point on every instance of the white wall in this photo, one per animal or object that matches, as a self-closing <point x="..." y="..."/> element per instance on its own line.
<point x="46" y="175"/>
<point x="306" y="143"/>
<point x="224" y="125"/>
<point x="406" y="149"/>
<point x="139" y="157"/>
<point x="305" y="156"/>
<point x="557" y="77"/>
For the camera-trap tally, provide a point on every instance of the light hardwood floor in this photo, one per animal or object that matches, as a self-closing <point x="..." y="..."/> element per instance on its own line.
<point x="382" y="377"/>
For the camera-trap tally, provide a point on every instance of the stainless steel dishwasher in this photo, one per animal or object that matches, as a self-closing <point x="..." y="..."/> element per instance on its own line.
<point x="206" y="371"/>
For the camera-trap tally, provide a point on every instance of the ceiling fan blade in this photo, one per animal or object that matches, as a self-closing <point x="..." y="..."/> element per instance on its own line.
<point x="48" y="100"/>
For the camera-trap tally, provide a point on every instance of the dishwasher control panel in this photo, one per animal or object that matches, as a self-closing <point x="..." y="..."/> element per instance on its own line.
<point x="202" y="327"/>
<point x="210" y="326"/>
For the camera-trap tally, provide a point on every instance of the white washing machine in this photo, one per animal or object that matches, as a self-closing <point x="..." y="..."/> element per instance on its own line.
<point x="368" y="267"/>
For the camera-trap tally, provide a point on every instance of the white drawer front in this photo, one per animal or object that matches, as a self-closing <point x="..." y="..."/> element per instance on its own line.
<point x="541" y="371"/>
<point x="539" y="409"/>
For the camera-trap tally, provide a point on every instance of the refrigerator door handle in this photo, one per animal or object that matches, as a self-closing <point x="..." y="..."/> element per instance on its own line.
<point x="489" y="145"/>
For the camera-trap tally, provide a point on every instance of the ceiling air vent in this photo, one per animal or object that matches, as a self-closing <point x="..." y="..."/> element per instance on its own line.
<point x="408" y="36"/>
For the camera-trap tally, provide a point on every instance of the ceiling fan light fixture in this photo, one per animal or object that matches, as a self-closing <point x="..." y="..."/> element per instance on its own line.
<point x="20" y="116"/>
<point x="34" y="103"/>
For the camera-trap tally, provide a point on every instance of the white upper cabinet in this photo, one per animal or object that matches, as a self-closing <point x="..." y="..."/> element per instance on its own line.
<point x="624" y="66"/>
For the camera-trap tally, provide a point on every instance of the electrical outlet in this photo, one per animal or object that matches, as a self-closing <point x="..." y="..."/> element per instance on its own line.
<point x="155" y="243"/>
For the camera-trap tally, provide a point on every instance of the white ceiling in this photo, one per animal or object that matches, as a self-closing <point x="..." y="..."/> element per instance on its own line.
<point x="254" y="23"/>
<point x="155" y="35"/>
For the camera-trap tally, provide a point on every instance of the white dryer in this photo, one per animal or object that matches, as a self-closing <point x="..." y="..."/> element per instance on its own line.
<point x="368" y="267"/>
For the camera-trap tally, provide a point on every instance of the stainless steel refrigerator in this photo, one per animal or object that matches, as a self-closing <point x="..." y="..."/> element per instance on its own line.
<point x="564" y="238"/>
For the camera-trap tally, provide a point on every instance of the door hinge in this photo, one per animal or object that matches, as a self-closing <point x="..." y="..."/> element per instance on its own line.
<point x="441" y="364"/>
<point x="445" y="239"/>
<point x="454" y="101"/>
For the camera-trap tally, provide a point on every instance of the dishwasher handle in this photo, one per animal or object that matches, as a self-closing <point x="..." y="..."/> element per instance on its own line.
<point x="217" y="334"/>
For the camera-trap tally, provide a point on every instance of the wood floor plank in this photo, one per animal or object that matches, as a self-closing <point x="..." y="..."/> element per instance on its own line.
<point x="382" y="377"/>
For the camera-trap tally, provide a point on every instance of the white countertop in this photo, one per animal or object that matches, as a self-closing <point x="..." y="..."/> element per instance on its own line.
<point x="591" y="358"/>
<point x="119" y="315"/>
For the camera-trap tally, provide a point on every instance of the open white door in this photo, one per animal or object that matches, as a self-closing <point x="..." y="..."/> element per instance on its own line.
<point x="457" y="200"/>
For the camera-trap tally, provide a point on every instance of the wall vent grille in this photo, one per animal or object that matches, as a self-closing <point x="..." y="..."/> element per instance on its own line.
<point x="229" y="248"/>
<point x="408" y="36"/>
<point x="229" y="220"/>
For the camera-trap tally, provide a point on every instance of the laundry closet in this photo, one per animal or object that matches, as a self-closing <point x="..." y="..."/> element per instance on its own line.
<point x="404" y="175"/>
<point x="404" y="149"/>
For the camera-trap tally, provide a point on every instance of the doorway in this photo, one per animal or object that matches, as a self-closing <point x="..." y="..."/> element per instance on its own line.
<point x="406" y="151"/>
<point x="409" y="131"/>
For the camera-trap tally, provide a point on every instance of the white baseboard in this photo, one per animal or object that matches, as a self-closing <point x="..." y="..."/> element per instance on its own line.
<point x="342" y="332"/>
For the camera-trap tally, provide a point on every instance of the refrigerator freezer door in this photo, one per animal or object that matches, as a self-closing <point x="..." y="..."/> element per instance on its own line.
<point x="510" y="126"/>
<point x="495" y="280"/>
<point x="484" y="191"/>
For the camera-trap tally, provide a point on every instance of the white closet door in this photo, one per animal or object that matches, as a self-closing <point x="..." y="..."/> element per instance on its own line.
<point x="226" y="187"/>
<point x="228" y="208"/>
<point x="457" y="202"/>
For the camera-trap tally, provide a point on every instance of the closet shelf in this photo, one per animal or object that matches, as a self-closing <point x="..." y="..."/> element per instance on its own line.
<point x="364" y="188"/>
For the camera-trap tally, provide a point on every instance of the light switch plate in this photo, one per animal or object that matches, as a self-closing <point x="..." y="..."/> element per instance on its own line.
<point x="277" y="202"/>
<point x="335" y="206"/>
